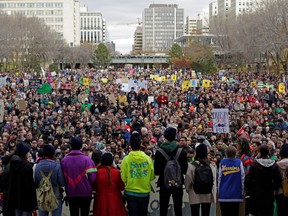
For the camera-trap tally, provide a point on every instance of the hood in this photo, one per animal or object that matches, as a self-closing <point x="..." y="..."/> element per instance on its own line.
<point x="169" y="147"/>
<point x="17" y="163"/>
<point x="137" y="156"/>
<point x="265" y="162"/>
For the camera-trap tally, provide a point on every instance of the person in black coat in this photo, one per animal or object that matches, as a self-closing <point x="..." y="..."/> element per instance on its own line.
<point x="22" y="193"/>
<point x="170" y="148"/>
<point x="262" y="181"/>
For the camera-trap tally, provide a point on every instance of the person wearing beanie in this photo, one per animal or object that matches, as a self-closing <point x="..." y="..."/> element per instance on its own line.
<point x="263" y="180"/>
<point x="282" y="201"/>
<point x="22" y="194"/>
<point x="202" y="200"/>
<point x="108" y="187"/>
<point x="80" y="175"/>
<point x="46" y="165"/>
<point x="137" y="172"/>
<point x="171" y="148"/>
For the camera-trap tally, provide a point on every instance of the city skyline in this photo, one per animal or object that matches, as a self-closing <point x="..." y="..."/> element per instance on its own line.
<point x="122" y="17"/>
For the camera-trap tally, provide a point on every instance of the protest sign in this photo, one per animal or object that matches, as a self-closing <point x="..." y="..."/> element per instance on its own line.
<point x="35" y="83"/>
<point x="22" y="105"/>
<point x="150" y="99"/>
<point x="1" y="110"/>
<point x="194" y="83"/>
<point x="45" y="89"/>
<point x="104" y="80"/>
<point x="173" y="77"/>
<point x="220" y="120"/>
<point x="206" y="83"/>
<point x="185" y="85"/>
<point x="125" y="87"/>
<point x="3" y="81"/>
<point x="86" y="81"/>
<point x="281" y="88"/>
<point x="142" y="84"/>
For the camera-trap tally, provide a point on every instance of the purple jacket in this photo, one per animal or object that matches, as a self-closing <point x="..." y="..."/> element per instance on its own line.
<point x="80" y="174"/>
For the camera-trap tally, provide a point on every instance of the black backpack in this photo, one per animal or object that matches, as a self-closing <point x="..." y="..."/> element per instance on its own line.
<point x="203" y="180"/>
<point x="172" y="171"/>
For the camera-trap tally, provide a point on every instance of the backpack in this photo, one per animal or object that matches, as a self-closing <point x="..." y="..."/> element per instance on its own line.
<point x="285" y="183"/>
<point x="172" y="171"/>
<point x="203" y="180"/>
<point x="47" y="201"/>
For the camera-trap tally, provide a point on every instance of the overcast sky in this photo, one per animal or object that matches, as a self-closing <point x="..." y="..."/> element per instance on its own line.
<point x="122" y="16"/>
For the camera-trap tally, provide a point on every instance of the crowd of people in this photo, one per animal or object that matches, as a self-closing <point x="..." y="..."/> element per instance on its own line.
<point x="101" y="140"/>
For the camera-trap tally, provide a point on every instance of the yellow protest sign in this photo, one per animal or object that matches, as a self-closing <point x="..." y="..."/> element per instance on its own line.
<point x="253" y="84"/>
<point x="185" y="85"/>
<point x="156" y="77"/>
<point x="151" y="76"/>
<point x="86" y="81"/>
<point x="281" y="88"/>
<point x="193" y="74"/>
<point x="173" y="77"/>
<point x="206" y="83"/>
<point x="163" y="78"/>
<point x="104" y="80"/>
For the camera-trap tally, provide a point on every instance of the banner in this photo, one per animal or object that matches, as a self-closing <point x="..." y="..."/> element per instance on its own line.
<point x="35" y="83"/>
<point x="1" y="110"/>
<point x="45" y="89"/>
<point x="220" y="120"/>
<point x="22" y="105"/>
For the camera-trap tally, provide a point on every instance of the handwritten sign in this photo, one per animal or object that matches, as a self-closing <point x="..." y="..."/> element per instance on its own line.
<point x="220" y="120"/>
<point x="45" y="89"/>
<point x="35" y="83"/>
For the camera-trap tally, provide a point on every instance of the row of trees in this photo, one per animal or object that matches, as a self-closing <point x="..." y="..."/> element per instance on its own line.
<point x="260" y="35"/>
<point x="26" y="42"/>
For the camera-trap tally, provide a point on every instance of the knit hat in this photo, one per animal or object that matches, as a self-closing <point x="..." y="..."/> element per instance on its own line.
<point x="201" y="151"/>
<point x="48" y="150"/>
<point x="284" y="151"/>
<point x="22" y="149"/>
<point x="135" y="140"/>
<point x="107" y="159"/>
<point x="76" y="143"/>
<point x="170" y="133"/>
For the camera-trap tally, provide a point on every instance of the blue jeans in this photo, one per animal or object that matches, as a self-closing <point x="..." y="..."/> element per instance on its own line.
<point x="22" y="213"/>
<point x="56" y="212"/>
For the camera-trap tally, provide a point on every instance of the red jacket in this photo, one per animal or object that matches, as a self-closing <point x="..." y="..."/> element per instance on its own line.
<point x="162" y="100"/>
<point x="108" y="199"/>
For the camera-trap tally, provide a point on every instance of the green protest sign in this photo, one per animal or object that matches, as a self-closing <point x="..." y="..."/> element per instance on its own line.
<point x="45" y="89"/>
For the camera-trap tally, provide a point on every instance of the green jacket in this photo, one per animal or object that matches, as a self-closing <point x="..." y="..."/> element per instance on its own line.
<point x="137" y="171"/>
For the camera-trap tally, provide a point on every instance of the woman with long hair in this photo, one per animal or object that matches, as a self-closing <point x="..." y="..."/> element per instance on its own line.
<point x="108" y="199"/>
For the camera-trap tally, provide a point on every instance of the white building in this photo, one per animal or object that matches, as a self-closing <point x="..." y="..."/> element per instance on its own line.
<point x="191" y="25"/>
<point x="241" y="6"/>
<point x="213" y="11"/>
<point x="162" y="24"/>
<point x="60" y="15"/>
<point x="224" y="7"/>
<point x="92" y="27"/>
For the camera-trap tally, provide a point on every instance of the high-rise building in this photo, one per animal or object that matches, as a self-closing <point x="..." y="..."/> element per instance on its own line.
<point x="60" y="15"/>
<point x="191" y="25"/>
<point x="92" y="27"/>
<point x="162" y="24"/>
<point x="224" y="7"/>
<point x="213" y="11"/>
<point x="138" y="39"/>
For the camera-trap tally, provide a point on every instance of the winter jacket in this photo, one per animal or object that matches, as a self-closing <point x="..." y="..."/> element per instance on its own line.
<point x="160" y="161"/>
<point x="199" y="198"/>
<point x="262" y="181"/>
<point x="231" y="180"/>
<point x="137" y="172"/>
<point x="22" y="192"/>
<point x="283" y="166"/>
<point x="80" y="174"/>
<point x="57" y="178"/>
